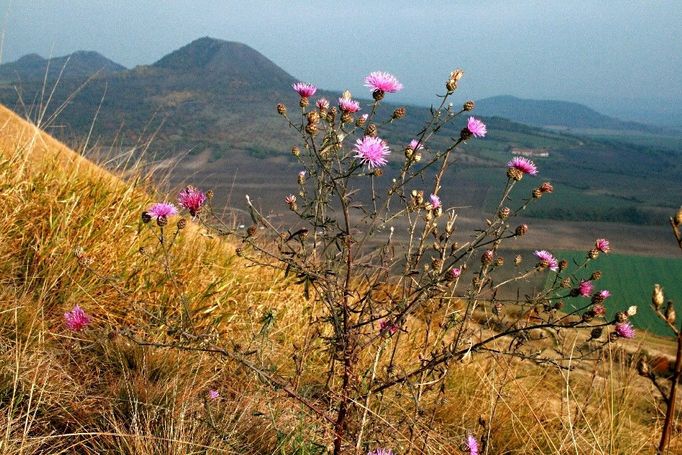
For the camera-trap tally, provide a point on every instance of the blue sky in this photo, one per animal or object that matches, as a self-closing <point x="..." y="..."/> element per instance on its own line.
<point x="612" y="55"/>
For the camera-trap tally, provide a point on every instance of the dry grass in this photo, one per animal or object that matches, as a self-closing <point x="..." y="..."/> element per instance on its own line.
<point x="99" y="392"/>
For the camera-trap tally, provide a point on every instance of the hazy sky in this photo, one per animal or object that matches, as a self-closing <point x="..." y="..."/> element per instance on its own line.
<point x="604" y="53"/>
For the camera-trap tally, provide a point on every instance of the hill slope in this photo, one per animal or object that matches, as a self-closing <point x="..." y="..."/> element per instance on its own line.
<point x="81" y="65"/>
<point x="554" y="113"/>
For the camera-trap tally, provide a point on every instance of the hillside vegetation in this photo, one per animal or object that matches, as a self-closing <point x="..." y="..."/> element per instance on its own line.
<point x="70" y="234"/>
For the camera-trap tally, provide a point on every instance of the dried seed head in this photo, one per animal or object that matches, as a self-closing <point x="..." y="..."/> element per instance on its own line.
<point x="399" y="113"/>
<point x="409" y="152"/>
<point x="621" y="317"/>
<point x="497" y="309"/>
<point x="454" y="78"/>
<point x="643" y="367"/>
<point x="597" y="332"/>
<point x="209" y="194"/>
<point x="596" y="275"/>
<point x="521" y="229"/>
<point x="593" y="253"/>
<point x="657" y="296"/>
<point x="504" y="213"/>
<point x="563" y="265"/>
<point x="469" y="106"/>
<point x="239" y="252"/>
<point x="251" y="231"/>
<point x="295" y="151"/>
<point x="518" y="259"/>
<point x="566" y="283"/>
<point x="437" y="264"/>
<point x="499" y="261"/>
<point x="281" y="109"/>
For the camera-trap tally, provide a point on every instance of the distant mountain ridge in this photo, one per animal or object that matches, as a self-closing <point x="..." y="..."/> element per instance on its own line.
<point x="553" y="113"/>
<point x="80" y="64"/>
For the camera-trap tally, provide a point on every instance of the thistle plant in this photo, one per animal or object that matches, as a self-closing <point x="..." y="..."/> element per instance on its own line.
<point x="398" y="297"/>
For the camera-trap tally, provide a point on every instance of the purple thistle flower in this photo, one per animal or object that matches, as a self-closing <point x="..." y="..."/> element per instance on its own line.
<point x="322" y="103"/>
<point x="76" y="319"/>
<point x="304" y="89"/>
<point x="547" y="259"/>
<point x="472" y="445"/>
<point x="191" y="199"/>
<point x="585" y="288"/>
<point x="380" y="452"/>
<point x="625" y="330"/>
<point x="455" y="272"/>
<point x="476" y="127"/>
<point x="213" y="394"/>
<point x="372" y="151"/>
<point x="435" y="201"/>
<point x="348" y="105"/>
<point x="416" y="145"/>
<point x="599" y="309"/>
<point x="384" y="82"/>
<point x="602" y="245"/>
<point x="290" y="199"/>
<point x="162" y="209"/>
<point x="386" y="326"/>
<point x="524" y="165"/>
<point x="604" y="294"/>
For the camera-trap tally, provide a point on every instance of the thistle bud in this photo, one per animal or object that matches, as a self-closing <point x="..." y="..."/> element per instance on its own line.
<point x="182" y="224"/>
<point x="313" y="117"/>
<point x="409" y="152"/>
<point x="465" y="134"/>
<point x="621" y="317"/>
<point x="437" y="264"/>
<point x="399" y="113"/>
<point x="487" y="257"/>
<point x="593" y="253"/>
<point x="499" y="262"/>
<point x="563" y="265"/>
<point x="469" y="106"/>
<point x="677" y="219"/>
<point x="311" y="129"/>
<point x="670" y="312"/>
<point x="371" y="130"/>
<point x="378" y="95"/>
<point x="587" y="316"/>
<point x="304" y="101"/>
<point x="146" y="217"/>
<point x="596" y="332"/>
<point x="521" y="229"/>
<point x="239" y="252"/>
<point x="417" y="156"/>
<point x="281" y="109"/>
<point x="504" y="213"/>
<point x="209" y="194"/>
<point x="161" y="221"/>
<point x="378" y="172"/>
<point x="360" y="121"/>
<point x="537" y="193"/>
<point x="596" y="275"/>
<point x="497" y="309"/>
<point x="346" y="117"/>
<point x="566" y="283"/>
<point x="518" y="259"/>
<point x="657" y="296"/>
<point x="295" y="151"/>
<point x="251" y="231"/>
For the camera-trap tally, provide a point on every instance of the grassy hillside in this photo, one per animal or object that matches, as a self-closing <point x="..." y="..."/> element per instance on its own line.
<point x="70" y="234"/>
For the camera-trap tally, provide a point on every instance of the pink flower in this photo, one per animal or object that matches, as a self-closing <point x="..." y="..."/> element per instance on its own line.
<point x="625" y="330"/>
<point x="455" y="272"/>
<point x="213" y="394"/>
<point x="191" y="199"/>
<point x="380" y="452"/>
<point x="162" y="209"/>
<point x="348" y="105"/>
<point x="322" y="103"/>
<point x="386" y="326"/>
<point x="604" y="294"/>
<point x="76" y="319"/>
<point x="290" y="199"/>
<point x="372" y="151"/>
<point x="602" y="245"/>
<point x="546" y="187"/>
<point x="416" y="145"/>
<point x="364" y="117"/>
<point x="599" y="309"/>
<point x="476" y="127"/>
<point x="435" y="201"/>
<point x="304" y="89"/>
<point x="547" y="260"/>
<point x="523" y="164"/>
<point x="472" y="444"/>
<point x="585" y="289"/>
<point x="383" y="82"/>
